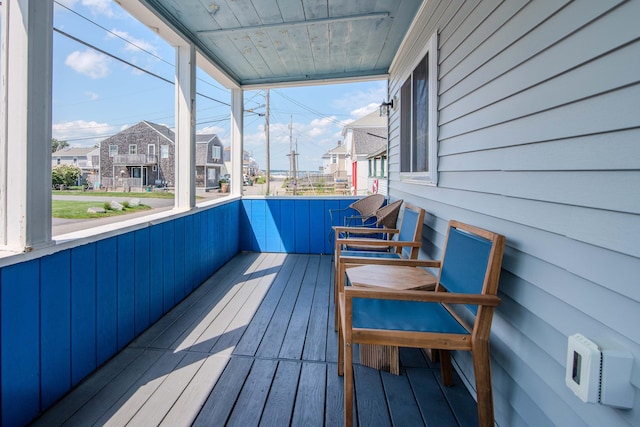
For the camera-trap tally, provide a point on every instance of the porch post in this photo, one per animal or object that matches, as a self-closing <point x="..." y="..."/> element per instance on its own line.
<point x="185" y="144"/>
<point x="25" y="133"/>
<point x="237" y="132"/>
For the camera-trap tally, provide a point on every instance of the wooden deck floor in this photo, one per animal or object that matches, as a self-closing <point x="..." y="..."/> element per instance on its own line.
<point x="255" y="345"/>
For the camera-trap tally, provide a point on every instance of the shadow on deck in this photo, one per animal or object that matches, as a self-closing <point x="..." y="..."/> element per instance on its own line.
<point x="255" y="345"/>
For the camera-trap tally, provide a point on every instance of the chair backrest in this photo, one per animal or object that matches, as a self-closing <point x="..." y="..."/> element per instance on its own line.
<point x="411" y="229"/>
<point x="367" y="206"/>
<point x="471" y="260"/>
<point x="387" y="216"/>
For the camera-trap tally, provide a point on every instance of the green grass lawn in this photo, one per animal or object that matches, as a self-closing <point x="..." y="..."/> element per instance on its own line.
<point x="93" y="193"/>
<point x="78" y="210"/>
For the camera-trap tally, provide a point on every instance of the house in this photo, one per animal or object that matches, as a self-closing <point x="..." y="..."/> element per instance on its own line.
<point x="144" y="155"/>
<point x="87" y="159"/>
<point x="377" y="180"/>
<point x="335" y="162"/>
<point x="519" y="117"/>
<point x="365" y="137"/>
<point x="249" y="165"/>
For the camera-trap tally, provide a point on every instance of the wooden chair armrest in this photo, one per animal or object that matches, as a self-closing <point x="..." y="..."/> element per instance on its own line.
<point x="388" y="261"/>
<point x="364" y="230"/>
<point x="421" y="296"/>
<point x="377" y="242"/>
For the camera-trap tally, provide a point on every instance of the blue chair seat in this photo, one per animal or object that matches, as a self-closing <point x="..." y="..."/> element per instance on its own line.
<point x="415" y="316"/>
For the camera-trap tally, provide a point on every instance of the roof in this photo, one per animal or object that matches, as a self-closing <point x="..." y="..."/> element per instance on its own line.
<point x="164" y="131"/>
<point x="310" y="40"/>
<point x="371" y="120"/>
<point x="369" y="140"/>
<point x="73" y="152"/>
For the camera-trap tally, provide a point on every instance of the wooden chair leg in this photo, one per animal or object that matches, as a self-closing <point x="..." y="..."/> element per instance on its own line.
<point x="340" y="350"/>
<point x="348" y="385"/>
<point x="482" y="370"/>
<point x="446" y="370"/>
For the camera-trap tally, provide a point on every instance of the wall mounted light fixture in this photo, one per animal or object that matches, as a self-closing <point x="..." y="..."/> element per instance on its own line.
<point x="385" y="107"/>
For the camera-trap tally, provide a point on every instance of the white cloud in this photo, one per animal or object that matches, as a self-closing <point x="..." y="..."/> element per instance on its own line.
<point x="211" y="129"/>
<point x="143" y="44"/>
<point x="99" y="7"/>
<point x="91" y="95"/>
<point x="89" y="63"/>
<point x="81" y="133"/>
<point x="363" y="111"/>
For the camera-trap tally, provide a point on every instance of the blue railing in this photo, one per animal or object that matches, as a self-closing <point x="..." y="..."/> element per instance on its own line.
<point x="65" y="314"/>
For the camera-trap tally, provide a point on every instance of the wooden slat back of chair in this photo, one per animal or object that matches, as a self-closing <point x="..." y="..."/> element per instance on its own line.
<point x="411" y="229"/>
<point x="471" y="264"/>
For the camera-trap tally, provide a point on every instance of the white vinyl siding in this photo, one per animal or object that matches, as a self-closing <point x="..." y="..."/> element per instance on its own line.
<point x="537" y="140"/>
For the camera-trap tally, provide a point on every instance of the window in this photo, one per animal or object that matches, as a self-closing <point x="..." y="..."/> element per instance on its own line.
<point x="371" y="166"/>
<point x="164" y="151"/>
<point x="133" y="149"/>
<point x="418" y="119"/>
<point x="113" y="150"/>
<point x="151" y="149"/>
<point x="215" y="152"/>
<point x="334" y="159"/>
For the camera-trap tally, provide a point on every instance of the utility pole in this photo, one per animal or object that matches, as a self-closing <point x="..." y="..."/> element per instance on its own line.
<point x="266" y="132"/>
<point x="291" y="158"/>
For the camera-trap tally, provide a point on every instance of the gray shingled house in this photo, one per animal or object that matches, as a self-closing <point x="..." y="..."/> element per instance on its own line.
<point x="143" y="155"/>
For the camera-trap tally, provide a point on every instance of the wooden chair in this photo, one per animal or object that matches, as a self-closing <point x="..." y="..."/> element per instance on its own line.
<point x="403" y="243"/>
<point x="456" y="316"/>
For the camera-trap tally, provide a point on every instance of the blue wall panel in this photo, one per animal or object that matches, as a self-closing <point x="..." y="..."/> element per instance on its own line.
<point x="20" y="343"/>
<point x="188" y="254"/>
<point x="155" y="273"/>
<point x="107" y="299"/>
<point x="142" y="293"/>
<point x="55" y="325"/>
<point x="329" y="241"/>
<point x="301" y="226"/>
<point x="179" y="257"/>
<point x="246" y="233"/>
<point x="203" y="254"/>
<point x="273" y="225"/>
<point x="287" y="228"/>
<point x="317" y="233"/>
<point x="83" y="312"/>
<point x="125" y="289"/>
<point x="168" y="266"/>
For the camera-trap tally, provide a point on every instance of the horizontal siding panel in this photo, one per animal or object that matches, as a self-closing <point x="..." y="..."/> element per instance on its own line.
<point x="545" y="52"/>
<point x="614" y="151"/>
<point x="605" y="74"/>
<point x="604" y="113"/>
<point x="540" y="229"/>
<point x="502" y="27"/>
<point x="616" y="191"/>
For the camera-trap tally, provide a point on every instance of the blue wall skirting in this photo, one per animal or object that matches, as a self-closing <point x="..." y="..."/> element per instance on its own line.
<point x="65" y="314"/>
<point x="290" y="225"/>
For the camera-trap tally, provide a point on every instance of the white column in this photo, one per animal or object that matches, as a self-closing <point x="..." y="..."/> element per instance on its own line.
<point x="185" y="148"/>
<point x="237" y="120"/>
<point x="25" y="133"/>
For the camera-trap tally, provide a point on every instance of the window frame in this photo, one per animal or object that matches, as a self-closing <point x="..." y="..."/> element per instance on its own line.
<point x="429" y="177"/>
<point x="113" y="150"/>
<point x="164" y="151"/>
<point x="133" y="149"/>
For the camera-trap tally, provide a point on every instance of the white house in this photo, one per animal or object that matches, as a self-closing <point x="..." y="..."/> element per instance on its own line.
<point x="365" y="137"/>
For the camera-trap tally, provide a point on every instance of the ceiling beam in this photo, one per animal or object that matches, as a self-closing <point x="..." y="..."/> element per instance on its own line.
<point x="293" y="24"/>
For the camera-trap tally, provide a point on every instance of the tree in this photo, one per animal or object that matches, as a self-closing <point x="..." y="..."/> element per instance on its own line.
<point x="64" y="175"/>
<point x="57" y="145"/>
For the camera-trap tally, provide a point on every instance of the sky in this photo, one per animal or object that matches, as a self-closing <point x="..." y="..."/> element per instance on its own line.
<point x="111" y="72"/>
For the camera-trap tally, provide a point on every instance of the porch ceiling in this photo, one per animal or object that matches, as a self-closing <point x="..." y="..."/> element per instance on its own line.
<point x="269" y="42"/>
